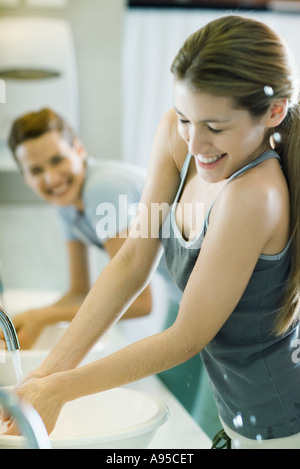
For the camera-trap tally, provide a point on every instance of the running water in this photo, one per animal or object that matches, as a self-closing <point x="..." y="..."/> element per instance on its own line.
<point x="16" y="361"/>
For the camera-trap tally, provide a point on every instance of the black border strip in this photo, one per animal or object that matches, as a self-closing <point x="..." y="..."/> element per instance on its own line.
<point x="171" y="4"/>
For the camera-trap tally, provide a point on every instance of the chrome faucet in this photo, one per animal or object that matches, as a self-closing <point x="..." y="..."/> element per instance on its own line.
<point x="9" y="331"/>
<point x="28" y="420"/>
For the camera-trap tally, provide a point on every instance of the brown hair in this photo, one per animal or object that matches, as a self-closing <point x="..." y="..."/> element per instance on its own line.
<point x="35" y="124"/>
<point x="244" y="59"/>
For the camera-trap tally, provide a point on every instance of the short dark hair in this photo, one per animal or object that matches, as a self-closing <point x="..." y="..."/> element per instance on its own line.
<point x="35" y="124"/>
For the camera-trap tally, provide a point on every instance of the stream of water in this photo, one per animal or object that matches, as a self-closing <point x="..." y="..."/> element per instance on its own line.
<point x="16" y="361"/>
<point x="15" y="357"/>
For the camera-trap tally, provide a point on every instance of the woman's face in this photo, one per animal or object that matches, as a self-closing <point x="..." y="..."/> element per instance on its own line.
<point x="53" y="168"/>
<point x="222" y="139"/>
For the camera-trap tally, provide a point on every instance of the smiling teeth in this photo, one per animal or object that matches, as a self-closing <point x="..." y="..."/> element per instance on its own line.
<point x="209" y="160"/>
<point x="60" y="190"/>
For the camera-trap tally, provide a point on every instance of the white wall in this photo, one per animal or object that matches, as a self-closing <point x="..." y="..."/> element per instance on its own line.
<point x="152" y="39"/>
<point x="97" y="27"/>
<point x="31" y="248"/>
<point x="111" y="125"/>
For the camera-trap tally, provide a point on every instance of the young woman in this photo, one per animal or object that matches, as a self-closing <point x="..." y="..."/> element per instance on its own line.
<point x="237" y="262"/>
<point x="96" y="201"/>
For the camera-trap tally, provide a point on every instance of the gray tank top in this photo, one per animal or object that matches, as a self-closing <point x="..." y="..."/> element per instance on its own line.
<point x="255" y="382"/>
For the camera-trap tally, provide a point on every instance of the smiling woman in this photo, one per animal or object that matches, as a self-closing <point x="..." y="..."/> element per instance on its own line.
<point x="221" y="136"/>
<point x="240" y="273"/>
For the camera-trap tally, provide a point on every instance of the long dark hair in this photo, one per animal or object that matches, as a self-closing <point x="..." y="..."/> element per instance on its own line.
<point x="244" y="59"/>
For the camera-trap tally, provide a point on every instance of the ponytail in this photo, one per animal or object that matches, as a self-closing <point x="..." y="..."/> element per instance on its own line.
<point x="289" y="129"/>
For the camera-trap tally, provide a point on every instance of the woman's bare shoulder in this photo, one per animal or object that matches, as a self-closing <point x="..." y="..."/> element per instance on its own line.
<point x="178" y="147"/>
<point x="260" y="195"/>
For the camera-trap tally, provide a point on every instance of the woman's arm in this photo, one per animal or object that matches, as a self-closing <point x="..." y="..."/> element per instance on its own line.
<point x="128" y="273"/>
<point x="237" y="234"/>
<point x="79" y="284"/>
<point x="142" y="306"/>
<point x="242" y="223"/>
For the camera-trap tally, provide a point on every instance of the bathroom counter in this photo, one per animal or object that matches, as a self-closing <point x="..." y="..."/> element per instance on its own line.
<point x="180" y="431"/>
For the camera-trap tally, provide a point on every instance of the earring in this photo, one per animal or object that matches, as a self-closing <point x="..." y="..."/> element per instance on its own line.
<point x="274" y="140"/>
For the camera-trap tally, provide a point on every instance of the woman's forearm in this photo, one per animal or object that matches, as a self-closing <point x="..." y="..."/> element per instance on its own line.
<point x="64" y="309"/>
<point x="31" y="323"/>
<point x="136" y="361"/>
<point x="58" y="313"/>
<point x="110" y="296"/>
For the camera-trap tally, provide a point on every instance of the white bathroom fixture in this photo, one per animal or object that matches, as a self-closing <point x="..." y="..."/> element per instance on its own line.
<point x="38" y="65"/>
<point x="119" y="418"/>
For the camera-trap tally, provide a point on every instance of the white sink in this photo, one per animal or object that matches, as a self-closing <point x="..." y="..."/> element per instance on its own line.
<point x="119" y="418"/>
<point x="17" y="301"/>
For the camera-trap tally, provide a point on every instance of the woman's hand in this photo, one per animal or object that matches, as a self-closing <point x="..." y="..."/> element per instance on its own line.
<point x="43" y="395"/>
<point x="28" y="326"/>
<point x="31" y="323"/>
